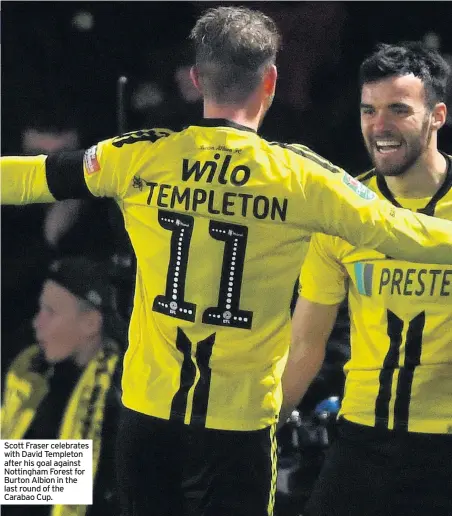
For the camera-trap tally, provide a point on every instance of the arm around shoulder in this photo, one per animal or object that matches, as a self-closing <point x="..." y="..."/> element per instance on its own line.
<point x="344" y="207"/>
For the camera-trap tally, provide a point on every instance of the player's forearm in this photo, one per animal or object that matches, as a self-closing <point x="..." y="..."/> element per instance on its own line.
<point x="410" y="236"/>
<point x="348" y="209"/>
<point x="395" y="232"/>
<point x="24" y="180"/>
<point x="420" y="238"/>
<point x="304" y="362"/>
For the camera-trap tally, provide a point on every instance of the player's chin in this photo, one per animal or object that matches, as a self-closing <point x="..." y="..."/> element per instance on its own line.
<point x="389" y="165"/>
<point x="390" y="171"/>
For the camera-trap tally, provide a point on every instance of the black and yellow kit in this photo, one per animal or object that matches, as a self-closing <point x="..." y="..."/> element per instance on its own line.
<point x="217" y="216"/>
<point x="400" y="372"/>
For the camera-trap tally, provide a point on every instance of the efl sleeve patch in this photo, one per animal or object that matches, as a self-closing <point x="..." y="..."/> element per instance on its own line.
<point x="357" y="187"/>
<point x="90" y="160"/>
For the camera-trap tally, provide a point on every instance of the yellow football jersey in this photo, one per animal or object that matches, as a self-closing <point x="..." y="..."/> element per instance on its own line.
<point x="399" y="375"/>
<point x="217" y="216"/>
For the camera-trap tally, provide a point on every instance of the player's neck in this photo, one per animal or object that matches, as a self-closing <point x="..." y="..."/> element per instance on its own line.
<point x="422" y="180"/>
<point x="248" y="115"/>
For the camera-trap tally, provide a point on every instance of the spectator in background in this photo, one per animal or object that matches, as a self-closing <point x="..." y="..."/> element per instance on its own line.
<point x="64" y="387"/>
<point x="165" y="94"/>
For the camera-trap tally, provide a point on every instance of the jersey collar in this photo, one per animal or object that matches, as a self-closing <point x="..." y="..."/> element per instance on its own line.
<point x="429" y="208"/>
<point x="223" y="122"/>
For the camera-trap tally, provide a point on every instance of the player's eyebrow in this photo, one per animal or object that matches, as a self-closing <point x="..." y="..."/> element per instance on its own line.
<point x="399" y="105"/>
<point x="392" y="105"/>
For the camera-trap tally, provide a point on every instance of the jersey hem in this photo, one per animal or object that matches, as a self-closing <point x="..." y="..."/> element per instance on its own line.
<point x="423" y="427"/>
<point x="213" y="423"/>
<point x="320" y="300"/>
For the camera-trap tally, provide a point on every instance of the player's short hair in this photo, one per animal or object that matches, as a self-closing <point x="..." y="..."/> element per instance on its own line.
<point x="410" y="57"/>
<point x="233" y="47"/>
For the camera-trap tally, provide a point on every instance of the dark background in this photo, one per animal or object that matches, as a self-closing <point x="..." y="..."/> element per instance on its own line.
<point x="49" y="64"/>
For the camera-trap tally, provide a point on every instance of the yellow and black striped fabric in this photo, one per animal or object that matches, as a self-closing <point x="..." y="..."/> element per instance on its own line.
<point x="400" y="372"/>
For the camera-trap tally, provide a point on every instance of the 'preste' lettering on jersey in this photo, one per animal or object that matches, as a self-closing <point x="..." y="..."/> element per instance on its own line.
<point x="416" y="282"/>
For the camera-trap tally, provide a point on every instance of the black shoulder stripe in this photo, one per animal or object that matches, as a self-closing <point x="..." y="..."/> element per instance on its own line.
<point x="307" y="153"/>
<point x="443" y="190"/>
<point x="143" y="135"/>
<point x="366" y="175"/>
<point x="65" y="178"/>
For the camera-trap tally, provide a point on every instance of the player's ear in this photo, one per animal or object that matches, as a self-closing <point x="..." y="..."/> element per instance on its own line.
<point x="270" y="77"/>
<point x="194" y="75"/>
<point x="439" y="115"/>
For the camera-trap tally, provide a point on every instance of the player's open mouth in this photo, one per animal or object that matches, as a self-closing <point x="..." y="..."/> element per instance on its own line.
<point x="387" y="146"/>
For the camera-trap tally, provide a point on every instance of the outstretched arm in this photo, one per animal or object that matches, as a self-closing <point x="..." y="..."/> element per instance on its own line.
<point x="24" y="180"/>
<point x="341" y="206"/>
<point x="101" y="171"/>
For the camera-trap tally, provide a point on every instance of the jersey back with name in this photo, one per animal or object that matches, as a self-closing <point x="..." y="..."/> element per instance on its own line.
<point x="213" y="216"/>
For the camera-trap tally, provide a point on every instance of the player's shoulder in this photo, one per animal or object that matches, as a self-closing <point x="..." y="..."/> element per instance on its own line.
<point x="305" y="156"/>
<point x="143" y="136"/>
<point x="325" y="245"/>
<point x="443" y="197"/>
<point x="132" y="145"/>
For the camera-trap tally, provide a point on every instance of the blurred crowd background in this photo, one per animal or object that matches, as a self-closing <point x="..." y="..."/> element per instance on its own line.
<point x="60" y="65"/>
<point x="61" y="61"/>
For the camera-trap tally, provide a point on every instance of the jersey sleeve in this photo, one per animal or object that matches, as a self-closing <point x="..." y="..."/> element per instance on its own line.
<point x="103" y="170"/>
<point x="107" y="168"/>
<point x="339" y="205"/>
<point x="24" y="180"/>
<point x="323" y="278"/>
<point x="110" y="165"/>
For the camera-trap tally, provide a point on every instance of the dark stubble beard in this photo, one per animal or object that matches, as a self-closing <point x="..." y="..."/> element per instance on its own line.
<point x="417" y="145"/>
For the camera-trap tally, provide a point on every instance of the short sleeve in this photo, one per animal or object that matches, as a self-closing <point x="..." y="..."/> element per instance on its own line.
<point x="323" y="278"/>
<point x="107" y="169"/>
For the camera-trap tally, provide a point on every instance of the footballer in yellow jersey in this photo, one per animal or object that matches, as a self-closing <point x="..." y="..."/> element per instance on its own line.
<point x="399" y="375"/>
<point x="396" y="413"/>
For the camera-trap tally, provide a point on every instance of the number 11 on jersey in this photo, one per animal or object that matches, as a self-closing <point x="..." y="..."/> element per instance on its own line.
<point x="173" y="303"/>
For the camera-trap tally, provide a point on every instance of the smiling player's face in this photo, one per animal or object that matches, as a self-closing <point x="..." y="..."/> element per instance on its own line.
<point x="395" y="123"/>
